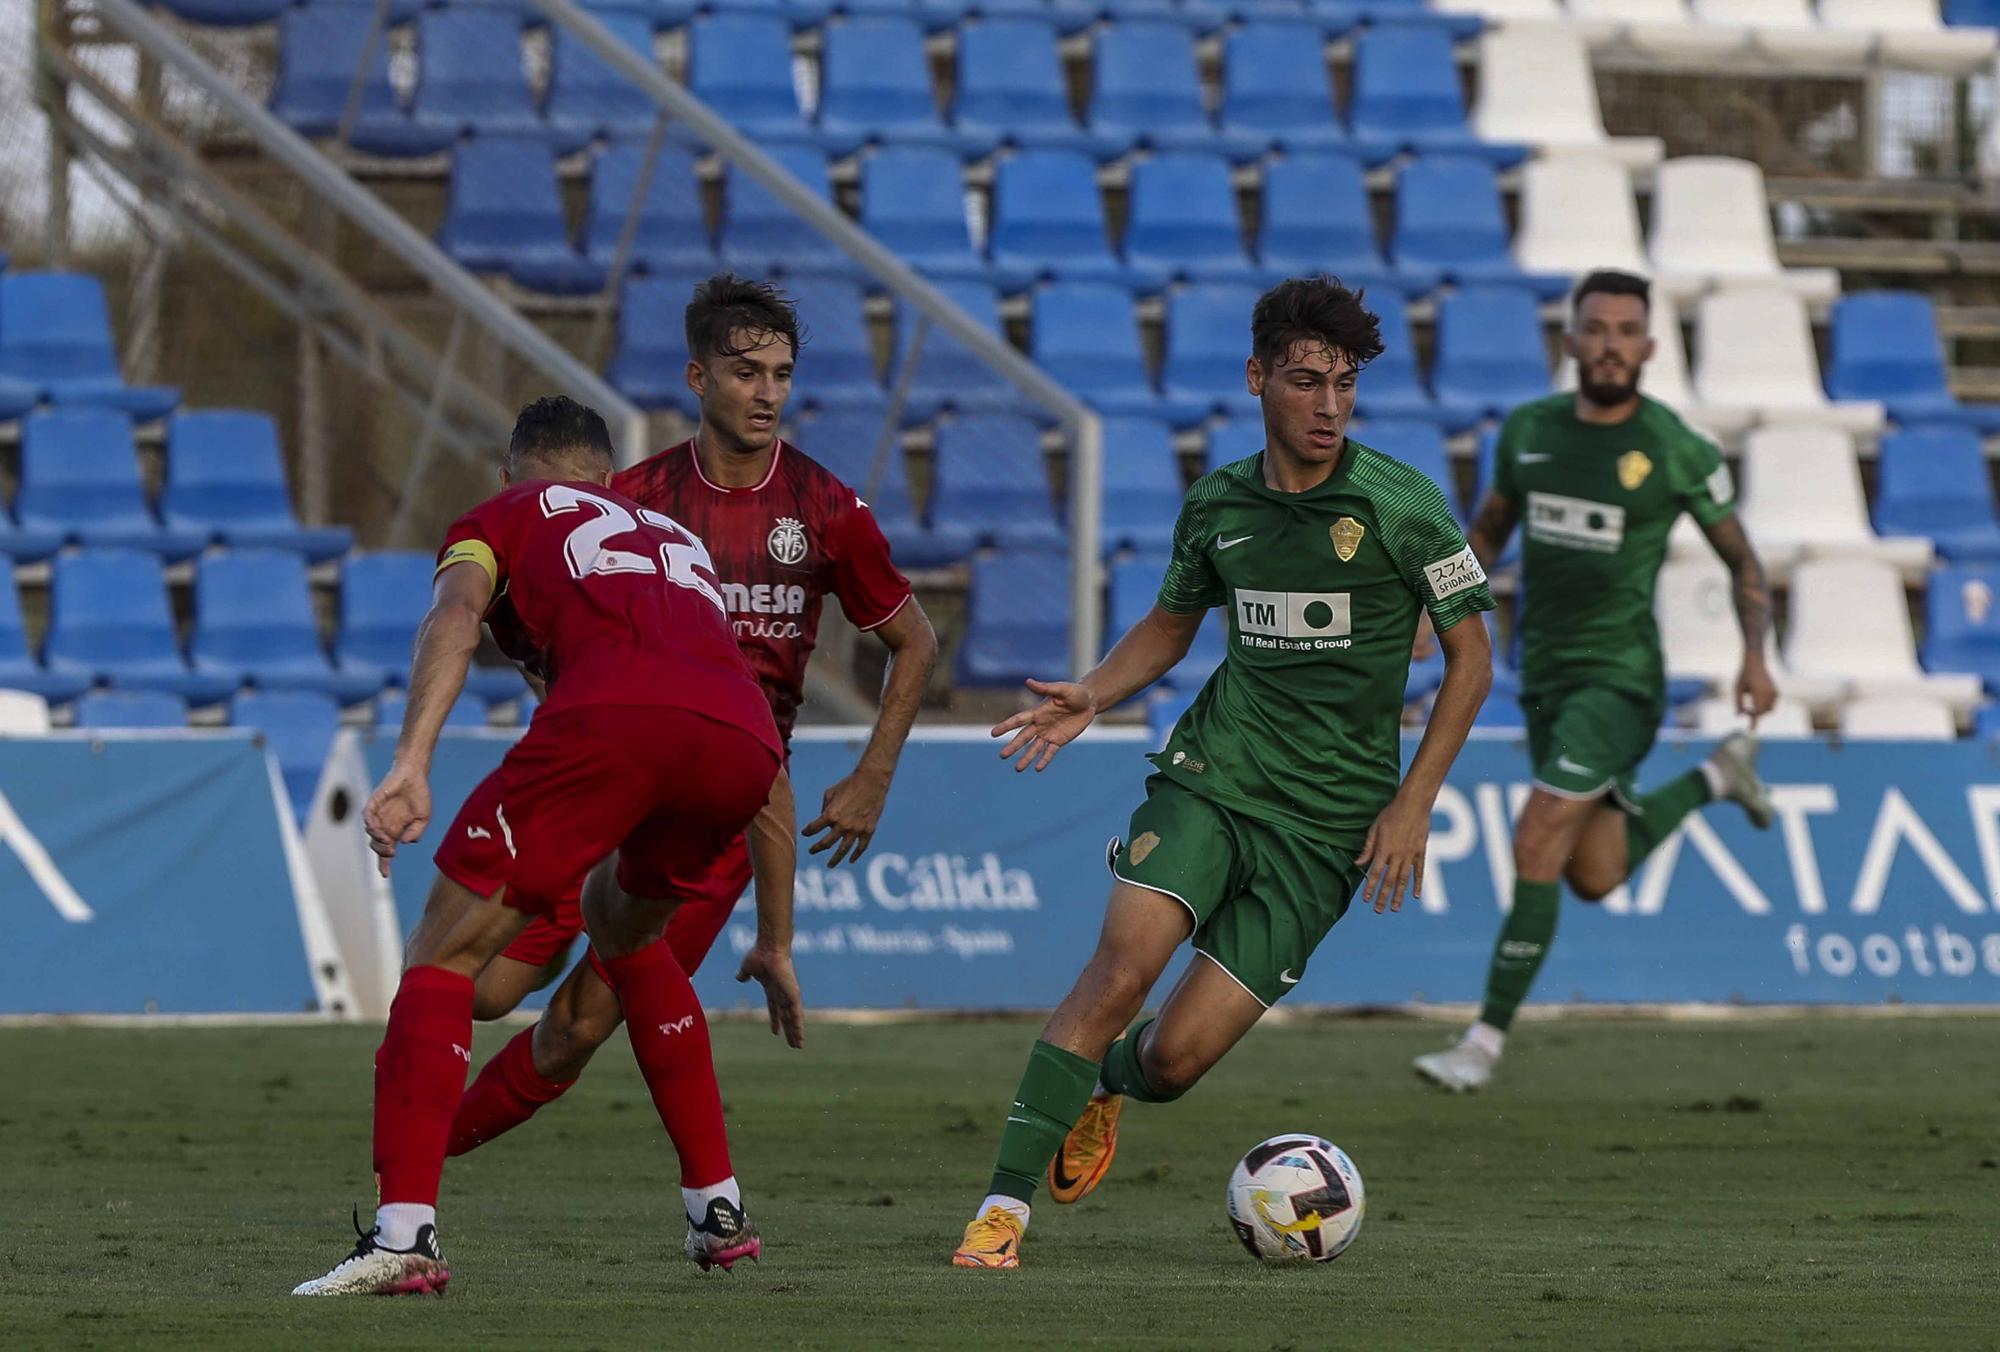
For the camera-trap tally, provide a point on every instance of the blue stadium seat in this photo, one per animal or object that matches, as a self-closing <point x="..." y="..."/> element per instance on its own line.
<point x="1962" y="622"/>
<point x="1277" y="90"/>
<point x="226" y="480"/>
<point x="80" y="479"/>
<point x="989" y="481"/>
<point x="760" y="234"/>
<point x="875" y="88"/>
<point x="1449" y="222"/>
<point x="1085" y="336"/>
<point x="228" y="13"/>
<point x="109" y="622"/>
<point x="1972" y="14"/>
<point x="1184" y="225"/>
<point x="504" y="213"/>
<point x="649" y="366"/>
<point x="319" y="49"/>
<point x="1933" y="481"/>
<point x="1142" y="484"/>
<point x="672" y="232"/>
<point x="1017" y="618"/>
<point x="1391" y="386"/>
<point x="913" y="203"/>
<point x="1208" y="343"/>
<point x="741" y="66"/>
<point x="131" y="709"/>
<point x="17" y="397"/>
<point x="1234" y="439"/>
<point x="19" y="544"/>
<point x="55" y="335"/>
<point x="1416" y="443"/>
<point x="18" y="668"/>
<point x="839" y="366"/>
<point x="468" y="712"/>
<point x="383" y="596"/>
<point x="1135" y="586"/>
<point x="470" y="79"/>
<point x="1317" y="218"/>
<point x="298" y="727"/>
<point x="1886" y="347"/>
<point x="1490" y="353"/>
<point x="1147" y="91"/>
<point x="845" y="442"/>
<point x="948" y="375"/>
<point x="1407" y="97"/>
<point x="587" y="98"/>
<point x="1011" y="89"/>
<point x="254" y="625"/>
<point x="1048" y="221"/>
<point x="1381" y="13"/>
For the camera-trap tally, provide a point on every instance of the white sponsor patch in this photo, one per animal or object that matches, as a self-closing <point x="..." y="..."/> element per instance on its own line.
<point x="1721" y="485"/>
<point x="1293" y="614"/>
<point x="1577" y="523"/>
<point x="1450" y="576"/>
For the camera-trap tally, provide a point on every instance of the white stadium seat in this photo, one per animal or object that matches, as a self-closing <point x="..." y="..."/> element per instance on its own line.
<point x="1897" y="718"/>
<point x="1850" y="624"/>
<point x="1789" y="720"/>
<point x="22" y="713"/>
<point x="1802" y="499"/>
<point x="1536" y="87"/>
<point x="1787" y="31"/>
<point x="1910" y="34"/>
<point x="1712" y="223"/>
<point x="1663" y="29"/>
<point x="1700" y="638"/>
<point x="1754" y="352"/>
<point x="1503" y="11"/>
<point x="1578" y="214"/>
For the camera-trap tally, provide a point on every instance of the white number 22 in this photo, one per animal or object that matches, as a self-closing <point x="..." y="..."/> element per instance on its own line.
<point x="685" y="558"/>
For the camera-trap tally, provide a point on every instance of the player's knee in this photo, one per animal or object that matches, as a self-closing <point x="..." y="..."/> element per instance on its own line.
<point x="489" y="1004"/>
<point x="1540" y="847"/>
<point x="1170" y="1070"/>
<point x="563" y="1047"/>
<point x="1115" y="987"/>
<point x="1591" y="884"/>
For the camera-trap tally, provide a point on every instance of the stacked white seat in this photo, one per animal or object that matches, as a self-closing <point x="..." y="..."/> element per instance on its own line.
<point x="1578" y="214"/>
<point x="1700" y="639"/>
<point x="1850" y="624"/>
<point x="1788" y="721"/>
<point x="1536" y="88"/>
<point x="1754" y="353"/>
<point x="1787" y="31"/>
<point x="1911" y="34"/>
<point x="1802" y="499"/>
<point x="1664" y="29"/>
<point x="1712" y="224"/>
<point x="23" y="713"/>
<point x="1504" y="11"/>
<point x="1898" y="718"/>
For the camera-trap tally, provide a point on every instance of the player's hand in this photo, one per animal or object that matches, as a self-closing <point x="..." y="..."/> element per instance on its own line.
<point x="397" y="813"/>
<point x="1756" y="692"/>
<point x="1067" y="708"/>
<point x="848" y="814"/>
<point x="1427" y="640"/>
<point x="773" y="970"/>
<point x="1394" y="854"/>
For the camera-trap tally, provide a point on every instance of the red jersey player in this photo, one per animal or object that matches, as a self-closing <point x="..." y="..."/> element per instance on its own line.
<point x="655" y="742"/>
<point x="783" y="533"/>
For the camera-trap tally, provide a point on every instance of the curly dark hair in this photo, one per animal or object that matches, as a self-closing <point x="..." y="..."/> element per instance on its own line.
<point x="557" y="430"/>
<point x="725" y="305"/>
<point x="1611" y="282"/>
<point x="1317" y="309"/>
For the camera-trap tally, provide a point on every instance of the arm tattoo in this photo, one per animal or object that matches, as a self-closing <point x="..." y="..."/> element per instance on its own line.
<point x="1491" y="526"/>
<point x="1748" y="590"/>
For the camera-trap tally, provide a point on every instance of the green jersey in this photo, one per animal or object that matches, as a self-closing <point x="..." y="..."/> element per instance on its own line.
<point x="1300" y="725"/>
<point x="1596" y="504"/>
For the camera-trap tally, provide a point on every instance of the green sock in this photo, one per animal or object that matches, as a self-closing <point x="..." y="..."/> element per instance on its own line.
<point x="1122" y="1073"/>
<point x="1518" y="952"/>
<point x="1054" y="1088"/>
<point x="1659" y="813"/>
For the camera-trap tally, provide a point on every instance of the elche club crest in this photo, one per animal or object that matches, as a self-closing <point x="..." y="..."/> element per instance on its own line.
<point x="788" y="540"/>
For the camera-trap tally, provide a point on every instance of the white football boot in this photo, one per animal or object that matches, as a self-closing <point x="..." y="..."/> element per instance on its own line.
<point x="372" y="1270"/>
<point x="1462" y="1069"/>
<point x="1734" y="762"/>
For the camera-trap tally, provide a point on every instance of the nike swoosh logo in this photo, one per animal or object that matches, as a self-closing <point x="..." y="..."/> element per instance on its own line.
<point x="1222" y="544"/>
<point x="1566" y="764"/>
<point x="1063" y="1181"/>
<point x="1525" y="458"/>
<point x="1287" y="977"/>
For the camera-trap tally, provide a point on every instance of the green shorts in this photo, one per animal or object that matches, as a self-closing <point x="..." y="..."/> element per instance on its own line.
<point x="1587" y="743"/>
<point x="1262" y="897"/>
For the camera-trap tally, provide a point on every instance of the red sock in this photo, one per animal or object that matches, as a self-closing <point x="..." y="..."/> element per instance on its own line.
<point x="419" y="1075"/>
<point x="507" y="1093"/>
<point x="692" y="931"/>
<point x="670" y="1041"/>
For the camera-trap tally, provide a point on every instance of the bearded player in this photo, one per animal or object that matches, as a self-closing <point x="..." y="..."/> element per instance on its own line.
<point x="655" y="742"/>
<point x="783" y="533"/>
<point x="1598" y="478"/>
<point x="1279" y="789"/>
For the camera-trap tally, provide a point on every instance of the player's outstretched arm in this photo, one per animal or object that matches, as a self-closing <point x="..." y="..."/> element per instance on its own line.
<point x="1148" y="651"/>
<point x="774" y="858"/>
<point x="1394" y="853"/>
<point x="1756" y="692"/>
<point x="401" y="805"/>
<point x="852" y="809"/>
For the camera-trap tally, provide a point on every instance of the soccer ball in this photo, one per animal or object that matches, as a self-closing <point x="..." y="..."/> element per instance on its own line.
<point x="1296" y="1196"/>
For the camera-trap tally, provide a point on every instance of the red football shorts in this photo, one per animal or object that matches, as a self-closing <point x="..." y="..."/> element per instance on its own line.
<point x="665" y="787"/>
<point x="706" y="902"/>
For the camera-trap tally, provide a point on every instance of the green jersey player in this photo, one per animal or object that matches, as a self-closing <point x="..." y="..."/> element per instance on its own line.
<point x="1597" y="480"/>
<point x="1279" y="791"/>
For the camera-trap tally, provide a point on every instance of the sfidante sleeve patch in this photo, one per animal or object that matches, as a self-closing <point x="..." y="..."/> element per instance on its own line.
<point x="1450" y="576"/>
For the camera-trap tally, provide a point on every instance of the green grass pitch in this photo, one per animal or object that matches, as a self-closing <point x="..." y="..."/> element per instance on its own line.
<point x="1753" y="1184"/>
